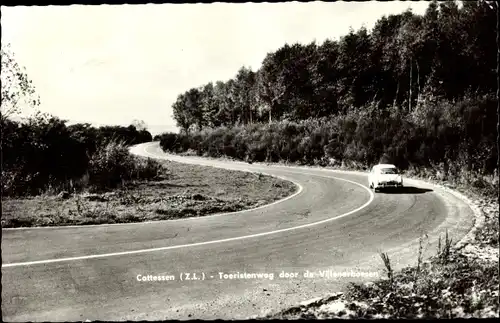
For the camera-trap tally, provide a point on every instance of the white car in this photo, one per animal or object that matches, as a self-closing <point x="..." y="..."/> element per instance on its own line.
<point x="383" y="176"/>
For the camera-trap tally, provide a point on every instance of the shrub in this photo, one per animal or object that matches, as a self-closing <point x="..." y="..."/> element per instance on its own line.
<point x="145" y="168"/>
<point x="110" y="166"/>
<point x="170" y="142"/>
<point x="43" y="153"/>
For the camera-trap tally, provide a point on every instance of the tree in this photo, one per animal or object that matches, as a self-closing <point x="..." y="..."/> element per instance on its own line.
<point x="324" y="77"/>
<point x="17" y="88"/>
<point x="478" y="27"/>
<point x="224" y="99"/>
<point x="447" y="52"/>
<point x="270" y="82"/>
<point x="193" y="104"/>
<point x="243" y="99"/>
<point x="188" y="110"/>
<point x="360" y="64"/>
<point x="181" y="115"/>
<point x="140" y="125"/>
<point x="209" y="105"/>
<point x="385" y="59"/>
<point x="301" y="78"/>
<point x="408" y="42"/>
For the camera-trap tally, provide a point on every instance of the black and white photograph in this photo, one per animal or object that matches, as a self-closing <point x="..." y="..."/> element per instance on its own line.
<point x="249" y="161"/>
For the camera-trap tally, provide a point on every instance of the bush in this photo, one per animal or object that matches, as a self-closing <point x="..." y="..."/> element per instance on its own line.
<point x="145" y="168"/>
<point x="170" y="142"/>
<point x="112" y="166"/>
<point x="43" y="153"/>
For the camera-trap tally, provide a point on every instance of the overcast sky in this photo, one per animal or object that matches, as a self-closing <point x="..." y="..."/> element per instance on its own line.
<point x="113" y="64"/>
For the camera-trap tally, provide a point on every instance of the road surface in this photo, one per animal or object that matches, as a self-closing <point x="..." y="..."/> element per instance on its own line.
<point x="332" y="224"/>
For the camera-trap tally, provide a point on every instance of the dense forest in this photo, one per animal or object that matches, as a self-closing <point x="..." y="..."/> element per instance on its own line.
<point x="418" y="90"/>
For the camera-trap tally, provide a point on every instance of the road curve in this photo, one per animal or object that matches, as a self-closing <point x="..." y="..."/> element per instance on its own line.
<point x="332" y="223"/>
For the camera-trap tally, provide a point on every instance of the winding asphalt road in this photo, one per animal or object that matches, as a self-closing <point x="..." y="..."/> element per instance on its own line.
<point x="333" y="222"/>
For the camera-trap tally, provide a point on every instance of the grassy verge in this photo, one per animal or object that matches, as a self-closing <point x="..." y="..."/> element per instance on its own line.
<point x="461" y="287"/>
<point x="179" y="191"/>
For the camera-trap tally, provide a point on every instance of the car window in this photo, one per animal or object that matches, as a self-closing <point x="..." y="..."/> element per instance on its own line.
<point x="388" y="171"/>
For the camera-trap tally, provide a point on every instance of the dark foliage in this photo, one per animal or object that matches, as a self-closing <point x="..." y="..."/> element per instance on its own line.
<point x="45" y="153"/>
<point x="448" y="53"/>
<point x="451" y="139"/>
<point x="416" y="90"/>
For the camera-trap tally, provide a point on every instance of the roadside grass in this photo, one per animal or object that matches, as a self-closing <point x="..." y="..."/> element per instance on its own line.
<point x="489" y="233"/>
<point x="178" y="191"/>
<point x="471" y="183"/>
<point x="447" y="285"/>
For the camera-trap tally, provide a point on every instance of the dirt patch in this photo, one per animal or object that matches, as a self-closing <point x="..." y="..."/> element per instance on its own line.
<point x="184" y="191"/>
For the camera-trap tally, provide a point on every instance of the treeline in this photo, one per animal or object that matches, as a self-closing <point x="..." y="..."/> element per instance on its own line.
<point x="45" y="153"/>
<point x="435" y="135"/>
<point x="448" y="53"/>
<point x="417" y="91"/>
